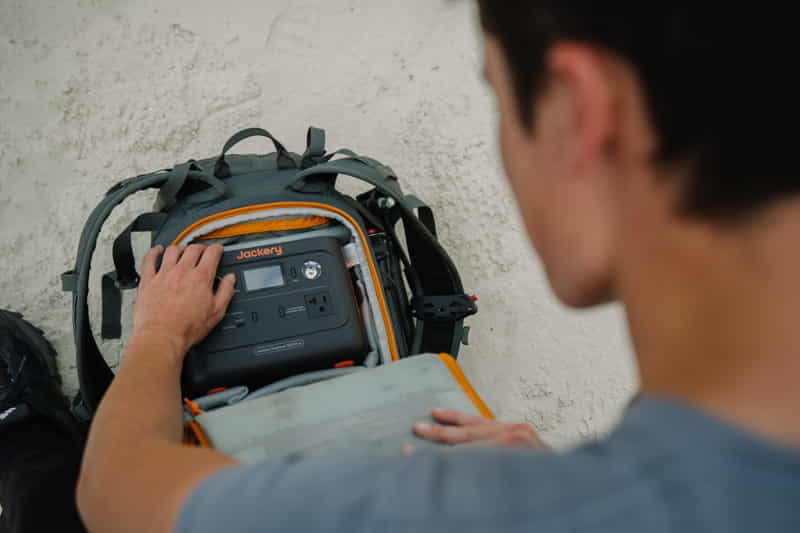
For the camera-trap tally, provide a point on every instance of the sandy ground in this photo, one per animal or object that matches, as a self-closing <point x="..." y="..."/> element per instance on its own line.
<point x="94" y="91"/>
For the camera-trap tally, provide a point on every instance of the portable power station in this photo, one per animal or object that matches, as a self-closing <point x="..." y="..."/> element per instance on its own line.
<point x="294" y="311"/>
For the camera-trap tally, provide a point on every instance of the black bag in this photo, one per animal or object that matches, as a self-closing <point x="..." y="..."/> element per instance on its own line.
<point x="244" y="189"/>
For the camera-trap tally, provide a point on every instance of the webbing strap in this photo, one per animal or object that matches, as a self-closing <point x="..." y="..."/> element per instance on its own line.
<point x="315" y="147"/>
<point x="424" y="212"/>
<point x="177" y="178"/>
<point x="124" y="262"/>
<point x="125" y="277"/>
<point x="168" y="194"/>
<point x="112" y="307"/>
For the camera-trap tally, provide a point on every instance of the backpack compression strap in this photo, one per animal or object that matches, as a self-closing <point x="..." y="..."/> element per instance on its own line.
<point x="443" y="305"/>
<point x="125" y="275"/>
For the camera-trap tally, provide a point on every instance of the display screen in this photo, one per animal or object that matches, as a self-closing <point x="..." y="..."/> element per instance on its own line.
<point x="263" y="278"/>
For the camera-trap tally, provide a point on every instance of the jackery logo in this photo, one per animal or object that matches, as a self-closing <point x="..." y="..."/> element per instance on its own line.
<point x="259" y="252"/>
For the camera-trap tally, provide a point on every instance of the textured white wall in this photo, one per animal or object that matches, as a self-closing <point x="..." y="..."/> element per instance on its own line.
<point x="93" y="91"/>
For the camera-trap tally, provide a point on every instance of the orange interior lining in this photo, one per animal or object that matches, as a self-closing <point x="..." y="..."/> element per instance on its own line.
<point x="468" y="390"/>
<point x="195" y="431"/>
<point x="263" y="226"/>
<point x="278" y="205"/>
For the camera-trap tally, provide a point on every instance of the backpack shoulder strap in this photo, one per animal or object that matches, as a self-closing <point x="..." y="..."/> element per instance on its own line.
<point x="94" y="373"/>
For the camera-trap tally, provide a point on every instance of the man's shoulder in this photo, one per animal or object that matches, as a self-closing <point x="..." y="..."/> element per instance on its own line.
<point x="664" y="468"/>
<point x="474" y="489"/>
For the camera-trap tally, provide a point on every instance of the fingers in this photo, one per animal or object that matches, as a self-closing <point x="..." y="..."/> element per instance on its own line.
<point x="211" y="257"/>
<point x="171" y="257"/>
<point x="456" y="434"/>
<point x="514" y="436"/>
<point x="458" y="418"/>
<point x="191" y="256"/>
<point x="224" y="294"/>
<point x="149" y="264"/>
<point x="460" y="427"/>
<point x="522" y="436"/>
<point x="204" y="258"/>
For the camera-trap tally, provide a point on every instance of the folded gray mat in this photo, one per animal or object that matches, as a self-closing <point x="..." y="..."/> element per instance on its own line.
<point x="368" y="413"/>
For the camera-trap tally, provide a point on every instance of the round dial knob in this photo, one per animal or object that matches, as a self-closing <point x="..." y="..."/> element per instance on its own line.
<point x="312" y="270"/>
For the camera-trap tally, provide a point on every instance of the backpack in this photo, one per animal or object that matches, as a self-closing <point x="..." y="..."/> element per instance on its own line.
<point x="409" y="297"/>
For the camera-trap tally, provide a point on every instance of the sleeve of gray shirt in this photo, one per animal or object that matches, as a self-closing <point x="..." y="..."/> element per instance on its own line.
<point x="470" y="489"/>
<point x="665" y="468"/>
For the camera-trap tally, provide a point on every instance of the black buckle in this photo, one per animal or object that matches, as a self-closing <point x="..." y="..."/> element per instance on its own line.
<point x="80" y="410"/>
<point x="446" y="308"/>
<point x="69" y="281"/>
<point x="124" y="283"/>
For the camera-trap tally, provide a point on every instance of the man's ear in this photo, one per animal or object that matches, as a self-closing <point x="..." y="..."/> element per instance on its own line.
<point x="586" y="75"/>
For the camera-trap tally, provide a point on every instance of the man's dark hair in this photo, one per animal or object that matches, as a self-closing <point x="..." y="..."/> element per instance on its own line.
<point x="719" y="82"/>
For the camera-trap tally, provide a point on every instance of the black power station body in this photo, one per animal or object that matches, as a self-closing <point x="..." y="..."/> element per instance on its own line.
<point x="294" y="311"/>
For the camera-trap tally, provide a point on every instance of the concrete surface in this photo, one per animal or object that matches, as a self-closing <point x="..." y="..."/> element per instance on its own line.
<point x="93" y="91"/>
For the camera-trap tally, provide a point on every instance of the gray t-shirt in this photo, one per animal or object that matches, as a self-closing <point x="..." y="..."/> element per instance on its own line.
<point x="665" y="468"/>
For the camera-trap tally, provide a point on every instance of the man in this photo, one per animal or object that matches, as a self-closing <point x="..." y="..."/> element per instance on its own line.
<point x="652" y="151"/>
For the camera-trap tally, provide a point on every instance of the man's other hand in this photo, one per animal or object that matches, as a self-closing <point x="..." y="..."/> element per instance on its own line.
<point x="177" y="301"/>
<point x="462" y="428"/>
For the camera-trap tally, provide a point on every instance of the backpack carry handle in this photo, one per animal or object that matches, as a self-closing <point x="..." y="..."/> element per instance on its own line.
<point x="222" y="169"/>
<point x="322" y="177"/>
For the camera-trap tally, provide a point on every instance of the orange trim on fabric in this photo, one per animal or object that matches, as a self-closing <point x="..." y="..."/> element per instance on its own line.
<point x="278" y="205"/>
<point x="197" y="431"/>
<point x="194" y="409"/>
<point x="461" y="379"/>
<point x="264" y="226"/>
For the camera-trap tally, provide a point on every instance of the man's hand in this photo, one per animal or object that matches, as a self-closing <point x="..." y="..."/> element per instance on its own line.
<point x="463" y="428"/>
<point x="177" y="301"/>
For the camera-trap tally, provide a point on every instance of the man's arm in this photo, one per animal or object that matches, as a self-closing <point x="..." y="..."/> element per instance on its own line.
<point x="136" y="474"/>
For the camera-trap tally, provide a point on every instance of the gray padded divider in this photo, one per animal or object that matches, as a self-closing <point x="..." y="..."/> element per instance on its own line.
<point x="368" y="413"/>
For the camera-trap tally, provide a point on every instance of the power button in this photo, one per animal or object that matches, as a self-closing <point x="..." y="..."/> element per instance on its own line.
<point x="312" y="270"/>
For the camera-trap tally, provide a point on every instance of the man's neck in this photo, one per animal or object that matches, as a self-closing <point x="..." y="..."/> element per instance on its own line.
<point x="715" y="317"/>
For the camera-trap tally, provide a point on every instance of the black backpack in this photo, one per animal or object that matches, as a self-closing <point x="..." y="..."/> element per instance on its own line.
<point x="198" y="195"/>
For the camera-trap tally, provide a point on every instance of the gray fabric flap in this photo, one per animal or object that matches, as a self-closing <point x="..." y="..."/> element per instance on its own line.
<point x="367" y="413"/>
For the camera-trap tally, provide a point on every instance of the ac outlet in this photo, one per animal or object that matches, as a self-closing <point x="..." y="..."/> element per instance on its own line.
<point x="319" y="304"/>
